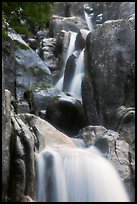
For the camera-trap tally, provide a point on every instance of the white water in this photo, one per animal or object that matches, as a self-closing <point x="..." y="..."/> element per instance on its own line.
<point x="77" y="175"/>
<point x="75" y="85"/>
<point x="89" y="21"/>
<point x="71" y="47"/>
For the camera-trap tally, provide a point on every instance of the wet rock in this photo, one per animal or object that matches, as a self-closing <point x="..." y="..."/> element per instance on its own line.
<point x="81" y="39"/>
<point x="69" y="72"/>
<point x="116" y="149"/>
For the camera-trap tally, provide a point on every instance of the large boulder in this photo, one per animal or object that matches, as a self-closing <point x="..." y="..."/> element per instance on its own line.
<point x="116" y="150"/>
<point x="23" y="67"/>
<point x="109" y="57"/>
<point x="66" y="113"/>
<point x="46" y="135"/>
<point x="40" y="98"/>
<point x="58" y="23"/>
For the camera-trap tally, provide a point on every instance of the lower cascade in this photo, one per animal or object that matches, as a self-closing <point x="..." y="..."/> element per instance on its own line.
<point x="77" y="175"/>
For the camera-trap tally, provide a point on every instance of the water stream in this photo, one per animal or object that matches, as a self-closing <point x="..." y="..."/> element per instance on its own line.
<point x="71" y="47"/>
<point x="77" y="175"/>
<point x="75" y="85"/>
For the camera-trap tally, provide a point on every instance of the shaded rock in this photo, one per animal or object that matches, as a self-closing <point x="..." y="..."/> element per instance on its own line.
<point x="6" y="132"/>
<point x="33" y="43"/>
<point x="42" y="114"/>
<point x="58" y="23"/>
<point x="89" y="101"/>
<point x="110" y="10"/>
<point x="40" y="35"/>
<point x="23" y="107"/>
<point x="18" y="180"/>
<point x="81" y="39"/>
<point x="22" y="174"/>
<point x="116" y="149"/>
<point x="66" y="113"/>
<point x="126" y="124"/>
<point x="69" y="72"/>
<point x="113" y="43"/>
<point x="132" y="19"/>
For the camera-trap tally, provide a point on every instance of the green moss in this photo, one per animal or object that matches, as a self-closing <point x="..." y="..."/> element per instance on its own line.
<point x="18" y="44"/>
<point x="56" y="99"/>
<point x="43" y="86"/>
<point x="38" y="72"/>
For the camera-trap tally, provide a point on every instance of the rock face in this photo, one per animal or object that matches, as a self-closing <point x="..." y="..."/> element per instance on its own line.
<point x="6" y="132"/>
<point x="110" y="55"/>
<point x="22" y="169"/>
<point x="116" y="149"/>
<point x="23" y="67"/>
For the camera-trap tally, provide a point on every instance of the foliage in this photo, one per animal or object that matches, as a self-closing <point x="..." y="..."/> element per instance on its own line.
<point x="24" y="17"/>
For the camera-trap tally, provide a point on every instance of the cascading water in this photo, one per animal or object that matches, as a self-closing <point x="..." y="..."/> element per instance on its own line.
<point x="71" y="47"/>
<point x="75" y="85"/>
<point x="88" y="19"/>
<point x="77" y="175"/>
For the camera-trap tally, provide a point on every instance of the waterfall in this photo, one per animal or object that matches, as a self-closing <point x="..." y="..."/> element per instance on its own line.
<point x="88" y="19"/>
<point x="77" y="175"/>
<point x="75" y="85"/>
<point x="71" y="47"/>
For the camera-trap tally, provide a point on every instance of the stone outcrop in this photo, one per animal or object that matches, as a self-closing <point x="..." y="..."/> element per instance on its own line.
<point x="110" y="55"/>
<point x="23" y="67"/>
<point x="113" y="146"/>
